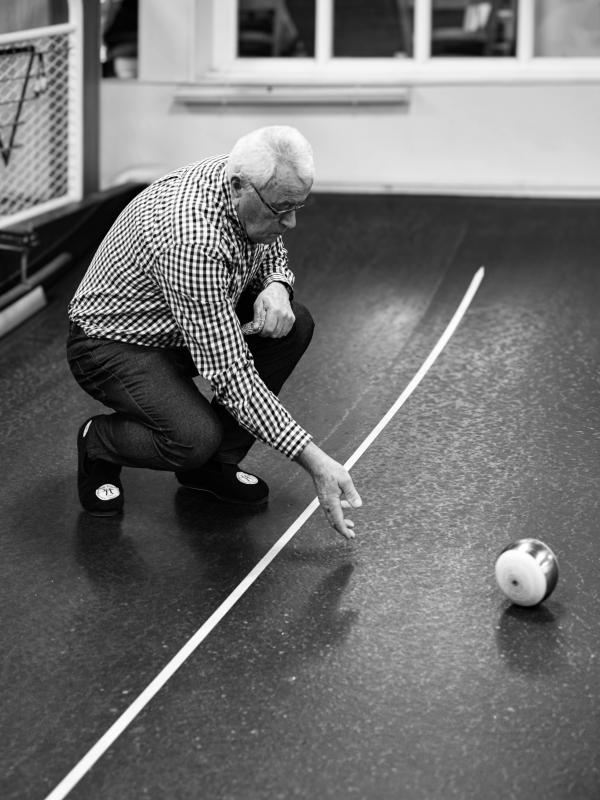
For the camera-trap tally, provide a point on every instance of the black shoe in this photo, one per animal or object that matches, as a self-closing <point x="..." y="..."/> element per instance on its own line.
<point x="226" y="482"/>
<point x="98" y="482"/>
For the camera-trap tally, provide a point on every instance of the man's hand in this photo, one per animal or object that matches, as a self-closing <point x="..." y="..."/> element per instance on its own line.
<point x="273" y="315"/>
<point x="334" y="487"/>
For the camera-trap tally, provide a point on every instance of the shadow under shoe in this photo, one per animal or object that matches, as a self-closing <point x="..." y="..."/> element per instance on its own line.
<point x="226" y="482"/>
<point x="98" y="482"/>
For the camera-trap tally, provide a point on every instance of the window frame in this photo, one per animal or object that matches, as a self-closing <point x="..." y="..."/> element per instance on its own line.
<point x="420" y="69"/>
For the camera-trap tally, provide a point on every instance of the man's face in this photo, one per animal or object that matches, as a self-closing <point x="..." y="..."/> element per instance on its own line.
<point x="284" y="191"/>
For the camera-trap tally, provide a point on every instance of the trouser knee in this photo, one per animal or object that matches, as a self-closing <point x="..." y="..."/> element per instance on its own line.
<point x="304" y="326"/>
<point x="191" y="449"/>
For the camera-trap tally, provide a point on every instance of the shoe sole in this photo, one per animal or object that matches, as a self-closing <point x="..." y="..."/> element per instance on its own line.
<point x="114" y="513"/>
<point x="230" y="500"/>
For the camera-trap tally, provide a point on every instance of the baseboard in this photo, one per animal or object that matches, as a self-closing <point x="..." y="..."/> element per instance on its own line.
<point x="462" y="190"/>
<point x="23" y="308"/>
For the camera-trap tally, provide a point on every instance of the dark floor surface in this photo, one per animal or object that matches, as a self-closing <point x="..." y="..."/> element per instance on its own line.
<point x="390" y="667"/>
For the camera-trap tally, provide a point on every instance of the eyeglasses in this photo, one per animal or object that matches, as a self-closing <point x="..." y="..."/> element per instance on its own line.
<point x="276" y="211"/>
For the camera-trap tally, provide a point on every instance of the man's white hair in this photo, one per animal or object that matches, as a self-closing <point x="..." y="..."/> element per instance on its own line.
<point x="257" y="155"/>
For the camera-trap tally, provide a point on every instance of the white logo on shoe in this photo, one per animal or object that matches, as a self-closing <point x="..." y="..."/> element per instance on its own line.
<point x="107" y="492"/>
<point x="244" y="477"/>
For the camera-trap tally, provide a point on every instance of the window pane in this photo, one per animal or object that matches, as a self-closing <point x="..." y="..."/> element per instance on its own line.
<point x="469" y="28"/>
<point x="372" y="28"/>
<point x="277" y="28"/>
<point x="566" y="28"/>
<point x="119" y="38"/>
<point x="16" y="15"/>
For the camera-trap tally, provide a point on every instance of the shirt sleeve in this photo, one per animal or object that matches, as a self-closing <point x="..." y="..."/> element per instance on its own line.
<point x="274" y="267"/>
<point x="195" y="281"/>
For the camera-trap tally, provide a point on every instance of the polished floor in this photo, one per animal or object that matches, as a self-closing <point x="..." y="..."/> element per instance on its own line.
<point x="388" y="667"/>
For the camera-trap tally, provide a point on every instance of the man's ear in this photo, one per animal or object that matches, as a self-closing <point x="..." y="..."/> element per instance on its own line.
<point x="236" y="185"/>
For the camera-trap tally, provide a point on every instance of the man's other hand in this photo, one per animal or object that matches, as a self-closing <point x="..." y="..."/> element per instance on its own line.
<point x="273" y="315"/>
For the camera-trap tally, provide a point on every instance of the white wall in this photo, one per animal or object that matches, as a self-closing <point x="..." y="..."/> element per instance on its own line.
<point x="479" y="138"/>
<point x="496" y="139"/>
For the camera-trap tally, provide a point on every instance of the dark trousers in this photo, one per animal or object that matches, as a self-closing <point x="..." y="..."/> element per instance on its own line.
<point x="161" y="419"/>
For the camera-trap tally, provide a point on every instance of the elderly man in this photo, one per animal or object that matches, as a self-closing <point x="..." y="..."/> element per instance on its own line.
<point x="191" y="279"/>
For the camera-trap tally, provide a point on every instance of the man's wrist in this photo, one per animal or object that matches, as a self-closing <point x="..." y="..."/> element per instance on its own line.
<point x="283" y="283"/>
<point x="309" y="456"/>
<point x="288" y="288"/>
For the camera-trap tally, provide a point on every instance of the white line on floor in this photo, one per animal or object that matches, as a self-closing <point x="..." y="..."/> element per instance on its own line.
<point x="116" y="729"/>
<point x="424" y="369"/>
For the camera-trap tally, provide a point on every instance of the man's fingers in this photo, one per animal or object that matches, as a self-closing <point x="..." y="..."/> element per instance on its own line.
<point x="347" y="531"/>
<point x="257" y="324"/>
<point x="276" y="324"/>
<point x="356" y="504"/>
<point x="248" y="329"/>
<point x="351" y="496"/>
<point x="284" y="326"/>
<point x="334" y="486"/>
<point x="260" y="319"/>
<point x="334" y="501"/>
<point x="335" y="516"/>
<point x="270" y="323"/>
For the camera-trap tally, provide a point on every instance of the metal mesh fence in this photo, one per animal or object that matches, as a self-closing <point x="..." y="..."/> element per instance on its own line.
<point x="35" y="122"/>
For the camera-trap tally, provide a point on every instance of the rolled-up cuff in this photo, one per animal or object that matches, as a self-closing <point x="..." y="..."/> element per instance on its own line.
<point x="292" y="441"/>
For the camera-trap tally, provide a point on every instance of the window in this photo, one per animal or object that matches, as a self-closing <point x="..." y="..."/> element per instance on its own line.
<point x="567" y="28"/>
<point x="119" y="38"/>
<point x="15" y="15"/>
<point x="403" y="42"/>
<point x="375" y="29"/>
<point x="473" y="28"/>
<point x="276" y="28"/>
<point x="372" y="29"/>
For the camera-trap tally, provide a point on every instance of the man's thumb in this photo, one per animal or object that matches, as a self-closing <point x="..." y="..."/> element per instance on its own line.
<point x="352" y="496"/>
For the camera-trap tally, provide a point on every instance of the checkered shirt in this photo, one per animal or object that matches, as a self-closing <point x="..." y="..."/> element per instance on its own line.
<point x="169" y="274"/>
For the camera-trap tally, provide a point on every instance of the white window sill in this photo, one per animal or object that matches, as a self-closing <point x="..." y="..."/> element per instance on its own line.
<point x="351" y="81"/>
<point x="269" y="93"/>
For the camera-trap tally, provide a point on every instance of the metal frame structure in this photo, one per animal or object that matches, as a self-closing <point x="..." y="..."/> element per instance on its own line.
<point x="18" y="44"/>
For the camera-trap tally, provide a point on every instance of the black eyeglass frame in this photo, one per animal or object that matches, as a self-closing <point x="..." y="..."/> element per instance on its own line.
<point x="274" y="211"/>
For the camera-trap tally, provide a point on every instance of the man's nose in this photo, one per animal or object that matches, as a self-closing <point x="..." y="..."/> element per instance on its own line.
<point x="288" y="220"/>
